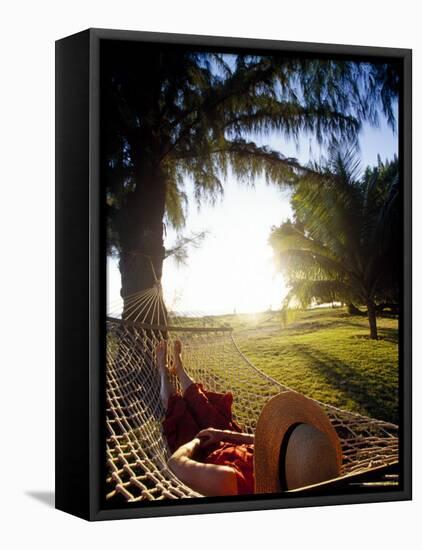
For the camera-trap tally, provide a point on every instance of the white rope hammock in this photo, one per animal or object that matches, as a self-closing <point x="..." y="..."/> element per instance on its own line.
<point x="137" y="452"/>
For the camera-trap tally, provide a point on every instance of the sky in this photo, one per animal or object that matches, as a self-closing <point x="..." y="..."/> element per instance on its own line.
<point x="232" y="270"/>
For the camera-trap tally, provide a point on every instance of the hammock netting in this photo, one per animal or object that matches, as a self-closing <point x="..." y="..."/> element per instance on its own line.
<point x="137" y="452"/>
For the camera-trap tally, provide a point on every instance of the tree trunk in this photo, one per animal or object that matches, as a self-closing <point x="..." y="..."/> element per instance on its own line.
<point x="372" y="318"/>
<point x="142" y="248"/>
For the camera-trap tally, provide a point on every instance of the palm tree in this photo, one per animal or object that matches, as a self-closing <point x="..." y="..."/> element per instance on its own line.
<point x="345" y="242"/>
<point x="169" y="114"/>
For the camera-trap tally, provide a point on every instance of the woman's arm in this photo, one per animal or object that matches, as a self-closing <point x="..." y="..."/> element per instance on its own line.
<point x="211" y="435"/>
<point x="206" y="479"/>
<point x="236" y="437"/>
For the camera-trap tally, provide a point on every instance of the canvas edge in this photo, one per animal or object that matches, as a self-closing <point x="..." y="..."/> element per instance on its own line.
<point x="95" y="389"/>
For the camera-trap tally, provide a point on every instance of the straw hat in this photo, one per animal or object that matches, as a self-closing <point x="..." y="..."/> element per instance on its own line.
<point x="295" y="445"/>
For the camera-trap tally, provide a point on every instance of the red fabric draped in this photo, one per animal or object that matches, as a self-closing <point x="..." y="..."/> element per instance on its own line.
<point x="199" y="409"/>
<point x="239" y="457"/>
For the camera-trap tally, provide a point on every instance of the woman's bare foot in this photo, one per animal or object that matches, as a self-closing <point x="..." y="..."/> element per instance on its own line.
<point x="184" y="378"/>
<point x="161" y="355"/>
<point x="177" y="348"/>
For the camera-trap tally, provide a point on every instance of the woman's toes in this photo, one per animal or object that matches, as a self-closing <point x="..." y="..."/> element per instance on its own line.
<point x="171" y="367"/>
<point x="160" y="353"/>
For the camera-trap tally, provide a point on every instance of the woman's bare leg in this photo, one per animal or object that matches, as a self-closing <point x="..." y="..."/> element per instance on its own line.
<point x="166" y="388"/>
<point x="184" y="379"/>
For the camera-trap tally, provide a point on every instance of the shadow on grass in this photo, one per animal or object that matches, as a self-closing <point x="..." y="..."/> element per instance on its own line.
<point x="390" y="335"/>
<point x="344" y="377"/>
<point x="301" y="327"/>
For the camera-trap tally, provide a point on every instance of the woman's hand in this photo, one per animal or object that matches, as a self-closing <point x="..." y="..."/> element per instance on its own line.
<point x="210" y="436"/>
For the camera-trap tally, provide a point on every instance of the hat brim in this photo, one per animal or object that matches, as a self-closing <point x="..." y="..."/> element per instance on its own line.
<point x="279" y="415"/>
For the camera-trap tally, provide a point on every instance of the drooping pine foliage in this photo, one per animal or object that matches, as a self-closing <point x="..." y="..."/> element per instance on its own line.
<point x="345" y="242"/>
<point x="170" y="114"/>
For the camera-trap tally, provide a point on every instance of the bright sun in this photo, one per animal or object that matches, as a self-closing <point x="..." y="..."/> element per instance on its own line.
<point x="233" y="269"/>
<point x="238" y="277"/>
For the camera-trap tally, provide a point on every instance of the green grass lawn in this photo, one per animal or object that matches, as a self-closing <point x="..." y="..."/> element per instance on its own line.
<point x="328" y="355"/>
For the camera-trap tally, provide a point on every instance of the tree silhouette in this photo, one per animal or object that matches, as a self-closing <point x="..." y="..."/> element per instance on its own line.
<point x="168" y="114"/>
<point x="345" y="242"/>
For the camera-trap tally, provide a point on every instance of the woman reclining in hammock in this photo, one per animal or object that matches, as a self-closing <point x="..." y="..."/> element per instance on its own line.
<point x="211" y="454"/>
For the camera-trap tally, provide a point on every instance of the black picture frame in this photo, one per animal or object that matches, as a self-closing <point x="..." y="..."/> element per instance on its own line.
<point x="80" y="280"/>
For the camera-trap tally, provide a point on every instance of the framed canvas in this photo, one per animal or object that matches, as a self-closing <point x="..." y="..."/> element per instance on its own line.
<point x="233" y="274"/>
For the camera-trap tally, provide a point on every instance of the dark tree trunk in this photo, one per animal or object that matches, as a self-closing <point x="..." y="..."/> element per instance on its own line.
<point x="141" y="232"/>
<point x="372" y="318"/>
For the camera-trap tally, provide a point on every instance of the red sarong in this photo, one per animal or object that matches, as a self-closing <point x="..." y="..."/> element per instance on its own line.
<point x="240" y="458"/>
<point x="199" y="409"/>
